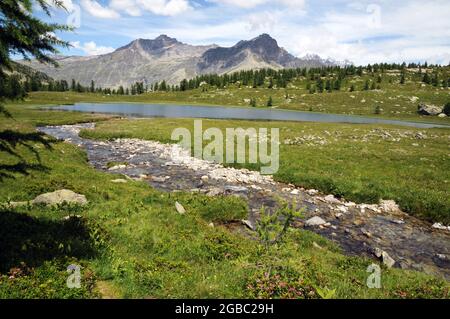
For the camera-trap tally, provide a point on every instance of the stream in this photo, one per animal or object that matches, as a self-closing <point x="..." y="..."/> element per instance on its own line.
<point x="359" y="229"/>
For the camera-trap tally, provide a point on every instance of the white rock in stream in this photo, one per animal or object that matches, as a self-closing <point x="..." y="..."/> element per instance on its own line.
<point x="384" y="256"/>
<point x="312" y="192"/>
<point x="315" y="221"/>
<point x="389" y="206"/>
<point x="331" y="199"/>
<point x="440" y="226"/>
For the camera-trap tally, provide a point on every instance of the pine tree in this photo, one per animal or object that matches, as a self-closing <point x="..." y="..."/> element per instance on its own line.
<point x="21" y="33"/>
<point x="163" y="86"/>
<point x="328" y="86"/>
<point x="366" y="85"/>
<point x="319" y="85"/>
<point x="435" y="80"/>
<point x="377" y="110"/>
<point x="92" y="89"/>
<point x="337" y="85"/>
<point x="426" y="78"/>
<point x="270" y="102"/>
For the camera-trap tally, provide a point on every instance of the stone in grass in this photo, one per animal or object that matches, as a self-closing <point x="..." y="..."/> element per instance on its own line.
<point x="119" y="181"/>
<point x="180" y="208"/>
<point x="248" y="223"/>
<point x="428" y="109"/>
<point x="59" y="197"/>
<point x="315" y="221"/>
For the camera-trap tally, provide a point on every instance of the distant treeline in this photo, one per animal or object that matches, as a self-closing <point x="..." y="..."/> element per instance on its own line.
<point x="318" y="80"/>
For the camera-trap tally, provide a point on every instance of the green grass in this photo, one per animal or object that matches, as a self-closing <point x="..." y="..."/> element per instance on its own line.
<point x="131" y="242"/>
<point x="356" y="162"/>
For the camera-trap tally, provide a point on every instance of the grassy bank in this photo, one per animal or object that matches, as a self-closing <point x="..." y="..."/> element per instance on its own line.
<point x="363" y="163"/>
<point x="131" y="242"/>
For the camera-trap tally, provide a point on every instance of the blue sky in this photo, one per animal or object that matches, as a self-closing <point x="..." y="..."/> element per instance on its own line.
<point x="360" y="31"/>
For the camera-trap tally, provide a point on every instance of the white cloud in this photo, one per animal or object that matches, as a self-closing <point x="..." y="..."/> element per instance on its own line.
<point x="96" y="10"/>
<point x="164" y="7"/>
<point x="130" y="7"/>
<point x="293" y="3"/>
<point x="263" y="21"/>
<point x="241" y="3"/>
<point x="254" y="3"/>
<point x="159" y="7"/>
<point x="91" y="48"/>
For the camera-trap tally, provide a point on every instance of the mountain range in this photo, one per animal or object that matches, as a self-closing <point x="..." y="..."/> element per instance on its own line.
<point x="165" y="58"/>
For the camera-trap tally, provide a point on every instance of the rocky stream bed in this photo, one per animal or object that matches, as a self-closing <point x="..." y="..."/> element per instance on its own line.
<point x="380" y="231"/>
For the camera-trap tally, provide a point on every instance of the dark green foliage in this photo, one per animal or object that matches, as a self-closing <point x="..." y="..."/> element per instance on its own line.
<point x="366" y="85"/>
<point x="377" y="110"/>
<point x="447" y="109"/>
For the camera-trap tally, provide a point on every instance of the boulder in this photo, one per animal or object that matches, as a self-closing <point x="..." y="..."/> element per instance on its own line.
<point x="315" y="221"/>
<point x="442" y="115"/>
<point x="429" y="109"/>
<point x="59" y="197"/>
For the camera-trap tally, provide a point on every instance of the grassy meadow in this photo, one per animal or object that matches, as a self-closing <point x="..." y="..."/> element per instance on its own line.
<point x="131" y="242"/>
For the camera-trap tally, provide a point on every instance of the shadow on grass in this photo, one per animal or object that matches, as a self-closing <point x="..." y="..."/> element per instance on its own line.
<point x="6" y="171"/>
<point x="31" y="240"/>
<point x="10" y="140"/>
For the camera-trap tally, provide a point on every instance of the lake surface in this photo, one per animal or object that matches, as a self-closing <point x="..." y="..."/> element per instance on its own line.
<point x="222" y="112"/>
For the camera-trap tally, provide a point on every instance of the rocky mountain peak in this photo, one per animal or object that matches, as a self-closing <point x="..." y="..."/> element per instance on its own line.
<point x="263" y="40"/>
<point x="160" y="42"/>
